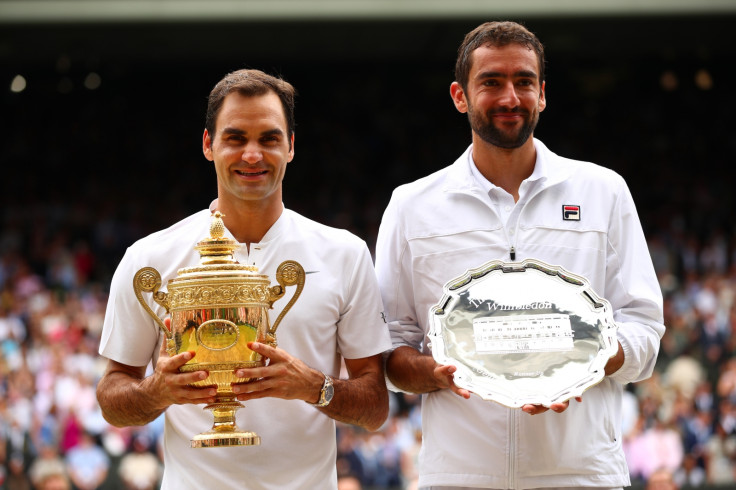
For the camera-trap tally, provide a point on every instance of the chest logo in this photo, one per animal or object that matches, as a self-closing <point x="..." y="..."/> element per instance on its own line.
<point x="570" y="212"/>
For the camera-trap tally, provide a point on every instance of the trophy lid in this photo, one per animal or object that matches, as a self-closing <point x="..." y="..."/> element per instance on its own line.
<point x="216" y="253"/>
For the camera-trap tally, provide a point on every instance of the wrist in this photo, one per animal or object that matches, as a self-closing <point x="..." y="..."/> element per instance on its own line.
<point x="151" y="390"/>
<point x="326" y="392"/>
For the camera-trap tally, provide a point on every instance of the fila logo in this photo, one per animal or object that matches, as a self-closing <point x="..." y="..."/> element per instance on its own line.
<point x="570" y="212"/>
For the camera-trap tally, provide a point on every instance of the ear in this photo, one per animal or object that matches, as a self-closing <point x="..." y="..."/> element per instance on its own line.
<point x="207" y="146"/>
<point x="458" y="97"/>
<point x="291" y="148"/>
<point x="542" y="98"/>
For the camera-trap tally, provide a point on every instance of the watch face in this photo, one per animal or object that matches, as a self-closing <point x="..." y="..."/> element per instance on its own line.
<point x="329" y="392"/>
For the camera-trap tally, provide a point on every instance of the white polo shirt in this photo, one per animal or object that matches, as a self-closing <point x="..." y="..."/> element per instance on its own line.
<point x="338" y="314"/>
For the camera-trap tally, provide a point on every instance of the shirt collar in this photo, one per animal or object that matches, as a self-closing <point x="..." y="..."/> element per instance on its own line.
<point x="541" y="168"/>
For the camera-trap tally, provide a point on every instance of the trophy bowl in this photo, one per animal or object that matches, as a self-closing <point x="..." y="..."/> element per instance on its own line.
<point x="216" y="308"/>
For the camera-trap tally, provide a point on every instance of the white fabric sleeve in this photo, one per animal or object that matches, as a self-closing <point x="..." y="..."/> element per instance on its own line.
<point x="362" y="331"/>
<point x="129" y="335"/>
<point x="633" y="291"/>
<point x="394" y="270"/>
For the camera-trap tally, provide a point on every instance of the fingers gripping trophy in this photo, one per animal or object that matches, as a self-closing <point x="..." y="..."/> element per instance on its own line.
<point x="216" y="308"/>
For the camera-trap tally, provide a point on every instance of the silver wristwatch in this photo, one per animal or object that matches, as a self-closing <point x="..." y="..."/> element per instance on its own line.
<point x="325" y="396"/>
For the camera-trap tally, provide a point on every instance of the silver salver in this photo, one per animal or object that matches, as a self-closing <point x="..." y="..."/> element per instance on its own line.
<point x="523" y="333"/>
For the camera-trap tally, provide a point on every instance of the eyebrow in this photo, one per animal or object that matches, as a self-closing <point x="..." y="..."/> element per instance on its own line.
<point x="498" y="74"/>
<point x="240" y="132"/>
<point x="233" y="131"/>
<point x="273" y="132"/>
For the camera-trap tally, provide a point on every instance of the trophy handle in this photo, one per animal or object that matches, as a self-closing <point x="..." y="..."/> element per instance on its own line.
<point x="289" y="273"/>
<point x="148" y="280"/>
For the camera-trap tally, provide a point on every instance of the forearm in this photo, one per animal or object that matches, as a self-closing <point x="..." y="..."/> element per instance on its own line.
<point x="126" y="400"/>
<point x="411" y="371"/>
<point x="361" y="401"/>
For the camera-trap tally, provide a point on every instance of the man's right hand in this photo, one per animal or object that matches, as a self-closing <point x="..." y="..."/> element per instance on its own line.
<point x="445" y="376"/>
<point x="171" y="386"/>
<point x="127" y="397"/>
<point x="416" y="372"/>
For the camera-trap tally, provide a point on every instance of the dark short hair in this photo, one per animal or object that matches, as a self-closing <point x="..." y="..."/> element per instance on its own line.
<point x="250" y="83"/>
<point x="495" y="34"/>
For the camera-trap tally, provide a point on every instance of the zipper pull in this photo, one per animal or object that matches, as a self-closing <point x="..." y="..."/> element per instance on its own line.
<point x="512" y="253"/>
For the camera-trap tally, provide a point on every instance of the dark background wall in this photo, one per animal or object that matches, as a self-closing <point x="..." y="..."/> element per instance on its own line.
<point x="108" y="164"/>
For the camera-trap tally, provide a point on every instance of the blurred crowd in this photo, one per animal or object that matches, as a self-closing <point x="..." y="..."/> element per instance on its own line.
<point x="53" y="436"/>
<point x="109" y="167"/>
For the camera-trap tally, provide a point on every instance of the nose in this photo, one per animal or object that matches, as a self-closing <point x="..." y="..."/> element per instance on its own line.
<point x="508" y="95"/>
<point x="252" y="152"/>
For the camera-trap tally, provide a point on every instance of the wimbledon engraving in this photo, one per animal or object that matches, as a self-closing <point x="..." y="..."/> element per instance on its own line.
<point x="528" y="333"/>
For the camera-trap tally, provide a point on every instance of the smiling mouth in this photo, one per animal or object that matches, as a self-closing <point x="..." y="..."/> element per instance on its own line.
<point x="511" y="114"/>
<point x="254" y="173"/>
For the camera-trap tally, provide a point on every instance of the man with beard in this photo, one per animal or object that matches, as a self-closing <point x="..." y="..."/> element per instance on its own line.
<point x="510" y="198"/>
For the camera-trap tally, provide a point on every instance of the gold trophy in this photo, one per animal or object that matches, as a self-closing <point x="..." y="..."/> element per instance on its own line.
<point x="216" y="308"/>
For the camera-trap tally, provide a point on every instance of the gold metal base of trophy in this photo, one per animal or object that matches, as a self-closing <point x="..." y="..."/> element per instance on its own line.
<point x="226" y="439"/>
<point x="224" y="432"/>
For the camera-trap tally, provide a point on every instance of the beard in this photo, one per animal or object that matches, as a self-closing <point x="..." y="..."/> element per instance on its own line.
<point x="482" y="125"/>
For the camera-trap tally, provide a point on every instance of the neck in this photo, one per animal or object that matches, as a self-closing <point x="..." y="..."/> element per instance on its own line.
<point x="249" y="221"/>
<point x="505" y="168"/>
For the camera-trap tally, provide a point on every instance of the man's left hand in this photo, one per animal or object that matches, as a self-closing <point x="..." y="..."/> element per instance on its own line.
<point x="284" y="376"/>
<point x="555" y="407"/>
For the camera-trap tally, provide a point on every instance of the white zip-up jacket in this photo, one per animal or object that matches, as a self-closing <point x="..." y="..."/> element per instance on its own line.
<point x="436" y="228"/>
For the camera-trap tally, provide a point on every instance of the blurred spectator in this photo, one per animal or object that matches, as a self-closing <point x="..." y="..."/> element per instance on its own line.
<point x="726" y="386"/>
<point x="661" y="479"/>
<point x="16" y="478"/>
<point x="684" y="375"/>
<point x="656" y="448"/>
<point x="410" y="462"/>
<point x="348" y="482"/>
<point x="48" y="464"/>
<point x="54" y="482"/>
<point x="689" y="474"/>
<point x="140" y="469"/>
<point x="87" y="463"/>
<point x="349" y="458"/>
<point x="719" y="453"/>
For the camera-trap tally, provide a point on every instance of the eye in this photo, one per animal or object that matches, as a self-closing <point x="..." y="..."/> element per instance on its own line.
<point x="490" y="83"/>
<point x="270" y="140"/>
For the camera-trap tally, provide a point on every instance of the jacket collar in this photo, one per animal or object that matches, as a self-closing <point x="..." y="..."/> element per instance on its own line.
<point x="549" y="169"/>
